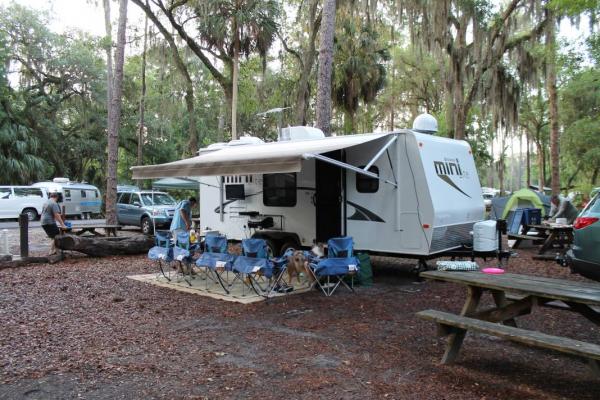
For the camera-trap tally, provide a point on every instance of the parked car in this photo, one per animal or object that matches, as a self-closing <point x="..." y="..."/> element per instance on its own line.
<point x="584" y="256"/>
<point x="145" y="208"/>
<point x="15" y="200"/>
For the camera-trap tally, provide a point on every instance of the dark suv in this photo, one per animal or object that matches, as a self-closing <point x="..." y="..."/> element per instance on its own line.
<point x="146" y="209"/>
<point x="584" y="256"/>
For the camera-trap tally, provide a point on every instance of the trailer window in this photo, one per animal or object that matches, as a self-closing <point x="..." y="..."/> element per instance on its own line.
<point x="67" y="194"/>
<point x="28" y="192"/>
<point x="279" y="190"/>
<point x="366" y="184"/>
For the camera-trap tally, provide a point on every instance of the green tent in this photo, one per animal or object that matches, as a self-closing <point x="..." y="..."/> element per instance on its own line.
<point x="523" y="198"/>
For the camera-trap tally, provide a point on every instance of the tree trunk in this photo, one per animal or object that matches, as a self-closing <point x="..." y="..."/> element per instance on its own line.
<point x="109" y="66"/>
<point x="100" y="247"/>
<point x="141" y="128"/>
<point x="325" y="67"/>
<point x="552" y="100"/>
<point x="595" y="176"/>
<point x="234" y="81"/>
<point x="115" y="117"/>
<point x="541" y="166"/>
<point x="527" y="160"/>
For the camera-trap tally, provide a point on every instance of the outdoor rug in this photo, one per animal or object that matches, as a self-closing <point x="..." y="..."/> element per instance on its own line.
<point x="238" y="292"/>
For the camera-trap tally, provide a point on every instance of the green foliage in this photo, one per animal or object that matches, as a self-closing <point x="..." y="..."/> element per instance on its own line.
<point x="358" y="64"/>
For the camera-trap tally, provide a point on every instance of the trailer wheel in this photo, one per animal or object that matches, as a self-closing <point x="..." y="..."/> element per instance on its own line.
<point x="272" y="247"/>
<point x="293" y="245"/>
<point x="32" y="214"/>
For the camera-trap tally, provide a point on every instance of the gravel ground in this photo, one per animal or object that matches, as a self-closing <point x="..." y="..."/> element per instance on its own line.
<point x="80" y="329"/>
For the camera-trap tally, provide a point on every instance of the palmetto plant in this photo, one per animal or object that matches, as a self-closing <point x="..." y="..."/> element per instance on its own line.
<point x="359" y="68"/>
<point x="230" y="28"/>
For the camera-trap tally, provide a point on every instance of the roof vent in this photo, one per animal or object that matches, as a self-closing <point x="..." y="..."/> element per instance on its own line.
<point x="245" y="140"/>
<point x="425" y="123"/>
<point x="301" y="133"/>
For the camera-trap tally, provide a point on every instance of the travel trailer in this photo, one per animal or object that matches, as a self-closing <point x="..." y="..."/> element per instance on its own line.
<point x="79" y="199"/>
<point x="404" y="193"/>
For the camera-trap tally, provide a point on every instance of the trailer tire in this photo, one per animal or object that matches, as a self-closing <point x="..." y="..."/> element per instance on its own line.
<point x="32" y="214"/>
<point x="273" y="247"/>
<point x="288" y="245"/>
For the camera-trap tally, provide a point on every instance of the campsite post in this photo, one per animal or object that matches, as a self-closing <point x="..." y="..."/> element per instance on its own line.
<point x="24" y="235"/>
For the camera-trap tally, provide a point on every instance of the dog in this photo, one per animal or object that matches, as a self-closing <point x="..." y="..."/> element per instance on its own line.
<point x="297" y="263"/>
<point x="318" y="250"/>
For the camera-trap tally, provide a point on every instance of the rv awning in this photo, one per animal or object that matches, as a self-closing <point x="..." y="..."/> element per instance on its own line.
<point x="264" y="158"/>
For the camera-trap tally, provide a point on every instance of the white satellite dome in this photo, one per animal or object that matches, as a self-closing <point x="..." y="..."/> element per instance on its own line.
<point x="425" y="123"/>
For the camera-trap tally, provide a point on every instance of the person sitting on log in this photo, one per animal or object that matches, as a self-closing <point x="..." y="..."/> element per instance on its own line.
<point x="50" y="216"/>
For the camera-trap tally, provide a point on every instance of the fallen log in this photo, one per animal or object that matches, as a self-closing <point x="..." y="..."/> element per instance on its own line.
<point x="21" y="262"/>
<point x="100" y="247"/>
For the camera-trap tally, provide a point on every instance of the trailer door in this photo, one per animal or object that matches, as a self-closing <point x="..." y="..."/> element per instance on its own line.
<point x="328" y="201"/>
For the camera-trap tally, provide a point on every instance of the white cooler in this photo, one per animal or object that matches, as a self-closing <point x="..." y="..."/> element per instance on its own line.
<point x="485" y="236"/>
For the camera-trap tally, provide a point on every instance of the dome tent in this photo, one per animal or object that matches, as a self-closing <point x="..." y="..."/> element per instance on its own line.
<point x="524" y="198"/>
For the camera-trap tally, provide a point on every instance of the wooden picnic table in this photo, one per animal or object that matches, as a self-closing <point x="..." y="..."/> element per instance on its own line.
<point x="549" y="236"/>
<point x="81" y="229"/>
<point x="530" y="293"/>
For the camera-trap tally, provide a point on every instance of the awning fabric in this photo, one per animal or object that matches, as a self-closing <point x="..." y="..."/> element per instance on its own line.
<point x="176" y="183"/>
<point x="264" y="158"/>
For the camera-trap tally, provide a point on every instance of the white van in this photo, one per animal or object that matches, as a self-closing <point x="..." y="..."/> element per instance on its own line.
<point x="15" y="200"/>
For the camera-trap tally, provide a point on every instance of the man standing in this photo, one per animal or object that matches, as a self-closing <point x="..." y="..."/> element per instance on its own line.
<point x="50" y="216"/>
<point x="562" y="208"/>
<point x="182" y="220"/>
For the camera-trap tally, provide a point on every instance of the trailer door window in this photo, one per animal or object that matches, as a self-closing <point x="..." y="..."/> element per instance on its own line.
<point x="279" y="190"/>
<point x="67" y="194"/>
<point x="366" y="184"/>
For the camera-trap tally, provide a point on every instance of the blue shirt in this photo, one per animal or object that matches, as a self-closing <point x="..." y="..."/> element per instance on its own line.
<point x="178" y="221"/>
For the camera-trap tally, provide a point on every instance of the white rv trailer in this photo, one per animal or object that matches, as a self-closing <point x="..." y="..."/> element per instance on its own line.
<point x="79" y="199"/>
<point x="401" y="193"/>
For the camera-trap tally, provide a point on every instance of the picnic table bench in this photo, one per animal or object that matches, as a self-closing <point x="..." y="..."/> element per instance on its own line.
<point x="526" y="293"/>
<point x="82" y="229"/>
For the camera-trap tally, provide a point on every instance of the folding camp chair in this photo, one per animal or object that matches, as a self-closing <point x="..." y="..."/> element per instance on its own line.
<point x="182" y="254"/>
<point x="278" y="283"/>
<point x="253" y="266"/>
<point x="329" y="273"/>
<point x="216" y="261"/>
<point x="162" y="252"/>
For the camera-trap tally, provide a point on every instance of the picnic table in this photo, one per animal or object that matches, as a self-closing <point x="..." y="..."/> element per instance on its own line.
<point x="82" y="229"/>
<point x="528" y="293"/>
<point x="549" y="236"/>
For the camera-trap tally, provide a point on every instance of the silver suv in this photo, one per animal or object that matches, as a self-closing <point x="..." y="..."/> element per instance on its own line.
<point x="145" y="208"/>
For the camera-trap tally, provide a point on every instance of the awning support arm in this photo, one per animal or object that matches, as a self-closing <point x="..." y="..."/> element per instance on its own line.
<point x="340" y="164"/>
<point x="380" y="152"/>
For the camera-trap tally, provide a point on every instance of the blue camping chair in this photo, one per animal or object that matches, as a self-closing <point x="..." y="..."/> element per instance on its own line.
<point x="162" y="252"/>
<point x="182" y="254"/>
<point x="329" y="273"/>
<point x="216" y="261"/>
<point x="253" y="265"/>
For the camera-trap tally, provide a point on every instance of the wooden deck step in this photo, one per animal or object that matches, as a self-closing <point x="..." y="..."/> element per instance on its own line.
<point x="533" y="338"/>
